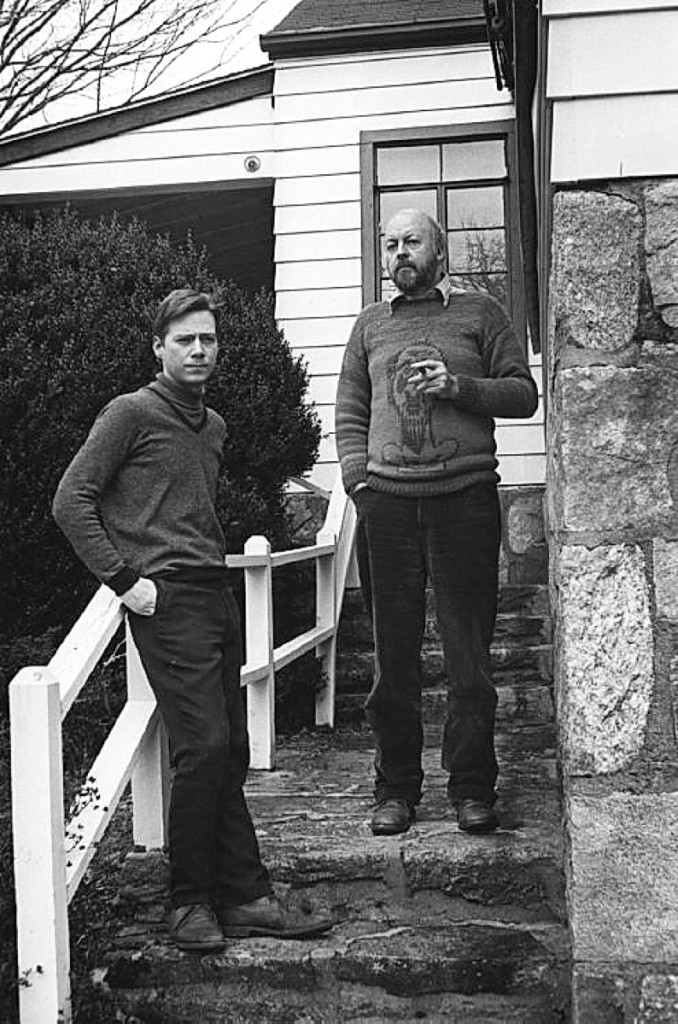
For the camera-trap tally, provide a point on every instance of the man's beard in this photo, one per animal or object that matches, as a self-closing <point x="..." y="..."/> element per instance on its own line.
<point x="410" y="279"/>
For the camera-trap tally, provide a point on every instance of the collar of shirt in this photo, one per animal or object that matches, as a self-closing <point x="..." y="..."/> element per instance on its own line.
<point x="444" y="288"/>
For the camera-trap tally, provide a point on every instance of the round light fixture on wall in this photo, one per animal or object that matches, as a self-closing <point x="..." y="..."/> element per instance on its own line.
<point x="252" y="164"/>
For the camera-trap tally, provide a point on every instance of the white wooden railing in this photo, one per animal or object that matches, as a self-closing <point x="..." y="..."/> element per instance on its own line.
<point x="52" y="855"/>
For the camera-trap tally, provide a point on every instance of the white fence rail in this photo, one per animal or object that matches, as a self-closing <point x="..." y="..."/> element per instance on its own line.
<point x="52" y="855"/>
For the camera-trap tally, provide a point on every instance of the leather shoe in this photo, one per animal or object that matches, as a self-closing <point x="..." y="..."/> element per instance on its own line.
<point x="194" y="927"/>
<point x="476" y="816"/>
<point x="392" y="816"/>
<point x="266" y="916"/>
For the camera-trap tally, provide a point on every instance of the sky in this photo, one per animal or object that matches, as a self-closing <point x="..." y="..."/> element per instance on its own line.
<point x="235" y="49"/>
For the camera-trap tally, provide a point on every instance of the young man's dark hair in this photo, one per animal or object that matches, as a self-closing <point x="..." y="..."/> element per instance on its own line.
<point x="177" y="304"/>
<point x="138" y="505"/>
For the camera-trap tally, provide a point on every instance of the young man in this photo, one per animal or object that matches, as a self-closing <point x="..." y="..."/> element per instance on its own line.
<point x="138" y="505"/>
<point x="422" y="378"/>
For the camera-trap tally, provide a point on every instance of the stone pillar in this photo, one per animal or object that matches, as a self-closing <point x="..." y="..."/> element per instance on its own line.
<point x="612" y="499"/>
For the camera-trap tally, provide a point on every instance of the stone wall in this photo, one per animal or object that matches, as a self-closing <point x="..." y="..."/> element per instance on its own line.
<point x="612" y="512"/>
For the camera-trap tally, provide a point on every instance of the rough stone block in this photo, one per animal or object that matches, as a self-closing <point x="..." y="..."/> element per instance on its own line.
<point x="658" y="999"/>
<point x="611" y="449"/>
<point x="605" y="669"/>
<point x="661" y="245"/>
<point x="624" y="878"/>
<point x="666" y="578"/>
<point x="595" y="270"/>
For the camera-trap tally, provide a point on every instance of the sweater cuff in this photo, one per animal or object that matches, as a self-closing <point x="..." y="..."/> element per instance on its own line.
<point x="123" y="581"/>
<point x="352" y="474"/>
<point x="468" y="391"/>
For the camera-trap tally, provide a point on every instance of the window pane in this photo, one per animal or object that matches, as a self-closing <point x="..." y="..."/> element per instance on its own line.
<point x="475" y="207"/>
<point x="391" y="202"/>
<point x="476" y="252"/>
<point x="408" y="165"/>
<point x="494" y="284"/>
<point x="464" y="160"/>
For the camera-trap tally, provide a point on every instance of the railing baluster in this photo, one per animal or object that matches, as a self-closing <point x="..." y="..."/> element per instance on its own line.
<point x="150" y="779"/>
<point x="39" y="855"/>
<point x="259" y="651"/>
<point x="325" y="616"/>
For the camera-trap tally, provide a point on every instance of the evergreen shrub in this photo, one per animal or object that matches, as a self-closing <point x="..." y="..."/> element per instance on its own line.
<point x="78" y="300"/>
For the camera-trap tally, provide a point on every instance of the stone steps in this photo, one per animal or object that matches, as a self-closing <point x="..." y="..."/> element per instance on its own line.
<point x="434" y="924"/>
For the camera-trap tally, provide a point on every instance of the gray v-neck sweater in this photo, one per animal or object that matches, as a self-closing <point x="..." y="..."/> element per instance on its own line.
<point x="139" y="497"/>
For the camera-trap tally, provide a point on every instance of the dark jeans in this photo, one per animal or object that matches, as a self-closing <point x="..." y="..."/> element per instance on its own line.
<point x="453" y="539"/>
<point x="191" y="651"/>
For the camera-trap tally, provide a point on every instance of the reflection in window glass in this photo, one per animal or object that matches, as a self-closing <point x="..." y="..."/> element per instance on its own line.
<point x="475" y="207"/>
<point x="495" y="285"/>
<point x="409" y="165"/>
<point x="468" y="160"/>
<point x="391" y="202"/>
<point x="476" y="252"/>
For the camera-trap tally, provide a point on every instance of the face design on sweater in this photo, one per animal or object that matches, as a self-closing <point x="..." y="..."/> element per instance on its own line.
<point x="413" y="252"/>
<point x="188" y="352"/>
<point x="417" y="442"/>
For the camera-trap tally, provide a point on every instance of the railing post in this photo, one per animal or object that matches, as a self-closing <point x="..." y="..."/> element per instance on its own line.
<point x="150" y="778"/>
<point x="39" y="855"/>
<point x="259" y="651"/>
<point x="326" y="616"/>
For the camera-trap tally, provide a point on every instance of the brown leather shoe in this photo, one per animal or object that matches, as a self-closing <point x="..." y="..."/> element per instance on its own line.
<point x="266" y="916"/>
<point x="392" y="816"/>
<point x="194" y="927"/>
<point x="476" y="816"/>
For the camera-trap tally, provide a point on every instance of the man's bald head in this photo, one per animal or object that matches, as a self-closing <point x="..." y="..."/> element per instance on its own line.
<point x="415" y="251"/>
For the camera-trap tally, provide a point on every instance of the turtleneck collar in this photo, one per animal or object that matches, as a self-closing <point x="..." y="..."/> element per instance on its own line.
<point x="188" y="403"/>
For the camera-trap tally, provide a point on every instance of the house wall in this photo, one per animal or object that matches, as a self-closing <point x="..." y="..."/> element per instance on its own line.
<point x="612" y="496"/>
<point x="207" y="147"/>
<point x="612" y="81"/>
<point x="321" y="106"/>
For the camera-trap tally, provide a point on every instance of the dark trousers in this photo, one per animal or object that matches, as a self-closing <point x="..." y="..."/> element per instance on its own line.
<point x="191" y="651"/>
<point x="453" y="539"/>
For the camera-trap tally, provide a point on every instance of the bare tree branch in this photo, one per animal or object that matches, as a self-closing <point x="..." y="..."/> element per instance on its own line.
<point x="54" y="49"/>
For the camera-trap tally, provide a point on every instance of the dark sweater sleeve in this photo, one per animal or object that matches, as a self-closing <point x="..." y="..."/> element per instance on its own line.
<point x="76" y="506"/>
<point x="352" y="410"/>
<point x="508" y="388"/>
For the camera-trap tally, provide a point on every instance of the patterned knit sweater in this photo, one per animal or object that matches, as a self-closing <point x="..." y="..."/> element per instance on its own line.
<point x="139" y="497"/>
<point x="396" y="439"/>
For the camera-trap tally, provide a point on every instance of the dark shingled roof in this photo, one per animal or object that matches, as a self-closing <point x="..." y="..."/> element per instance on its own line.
<point x="330" y="14"/>
<point x="341" y="26"/>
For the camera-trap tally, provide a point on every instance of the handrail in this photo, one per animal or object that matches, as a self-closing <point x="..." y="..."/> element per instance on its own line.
<point x="52" y="855"/>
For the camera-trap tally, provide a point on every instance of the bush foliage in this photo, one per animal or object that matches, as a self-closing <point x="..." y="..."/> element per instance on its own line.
<point x="78" y="299"/>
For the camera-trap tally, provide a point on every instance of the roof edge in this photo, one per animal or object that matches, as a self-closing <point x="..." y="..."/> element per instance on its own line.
<point x="319" y="41"/>
<point x="243" y="85"/>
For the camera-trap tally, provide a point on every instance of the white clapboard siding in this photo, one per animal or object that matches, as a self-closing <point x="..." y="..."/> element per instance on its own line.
<point x="346" y="101"/>
<point x="612" y="78"/>
<point x="330" y="217"/>
<point x="566" y="8"/>
<point x="343" y="131"/>
<point x="330" y="302"/>
<point x="327" y="273"/>
<point x="178" y="170"/>
<point x="316" y="245"/>
<point x="324" y="188"/>
<point x="615" y="137"/>
<point x="321" y="107"/>
<point x="313" y="332"/>
<point x="371" y="70"/>
<point x="641" y="49"/>
<point x="209" y="147"/>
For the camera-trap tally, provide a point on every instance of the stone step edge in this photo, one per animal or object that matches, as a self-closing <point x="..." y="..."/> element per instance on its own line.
<point x="469" y="958"/>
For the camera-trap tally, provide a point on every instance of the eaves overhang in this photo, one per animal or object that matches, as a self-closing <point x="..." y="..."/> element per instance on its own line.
<point x="235" y="88"/>
<point x="374" y="38"/>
